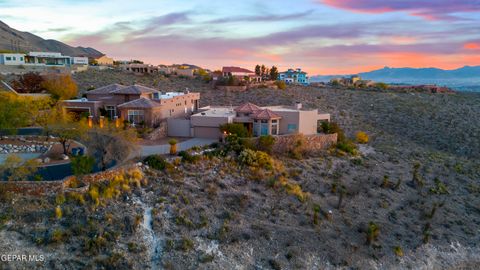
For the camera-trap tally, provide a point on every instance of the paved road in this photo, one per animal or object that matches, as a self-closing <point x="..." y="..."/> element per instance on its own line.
<point x="163" y="149"/>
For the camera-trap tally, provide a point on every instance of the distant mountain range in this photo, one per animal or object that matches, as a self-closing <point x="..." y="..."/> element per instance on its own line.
<point x="14" y="40"/>
<point x="464" y="79"/>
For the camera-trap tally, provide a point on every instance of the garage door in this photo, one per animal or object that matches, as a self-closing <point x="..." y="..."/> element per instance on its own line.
<point x="207" y="132"/>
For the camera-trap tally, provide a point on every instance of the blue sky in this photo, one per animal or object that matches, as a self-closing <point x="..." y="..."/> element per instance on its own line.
<point x="322" y="36"/>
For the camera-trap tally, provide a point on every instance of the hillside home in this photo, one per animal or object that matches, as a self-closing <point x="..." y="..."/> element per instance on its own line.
<point x="240" y="74"/>
<point x="41" y="59"/>
<point x="104" y="60"/>
<point x="270" y="120"/>
<point x="136" y="104"/>
<point x="139" y="68"/>
<point x="293" y="76"/>
<point x="12" y="59"/>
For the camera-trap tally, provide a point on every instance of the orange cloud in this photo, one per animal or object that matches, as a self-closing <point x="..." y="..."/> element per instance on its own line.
<point x="472" y="46"/>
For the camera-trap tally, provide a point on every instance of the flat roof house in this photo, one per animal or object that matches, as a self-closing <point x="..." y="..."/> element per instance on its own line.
<point x="47" y="59"/>
<point x="270" y="120"/>
<point x="136" y="104"/>
<point x="12" y="59"/>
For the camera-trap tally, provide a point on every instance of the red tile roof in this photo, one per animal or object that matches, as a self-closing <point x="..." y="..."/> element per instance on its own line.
<point x="107" y="89"/>
<point x="135" y="89"/>
<point x="265" y="114"/>
<point x="247" y="108"/>
<point x="236" y="69"/>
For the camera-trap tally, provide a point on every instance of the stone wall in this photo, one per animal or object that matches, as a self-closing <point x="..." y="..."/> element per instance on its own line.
<point x="231" y="88"/>
<point x="41" y="188"/>
<point x="310" y="143"/>
<point x="158" y="133"/>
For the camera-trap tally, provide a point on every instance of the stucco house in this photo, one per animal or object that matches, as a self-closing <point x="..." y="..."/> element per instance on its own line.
<point x="294" y="76"/>
<point x="136" y="104"/>
<point x="240" y="73"/>
<point x="270" y="120"/>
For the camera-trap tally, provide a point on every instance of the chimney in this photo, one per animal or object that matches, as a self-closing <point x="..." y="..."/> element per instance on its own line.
<point x="298" y="105"/>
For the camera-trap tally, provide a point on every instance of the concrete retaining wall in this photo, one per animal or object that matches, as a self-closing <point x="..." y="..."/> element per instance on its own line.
<point x="53" y="187"/>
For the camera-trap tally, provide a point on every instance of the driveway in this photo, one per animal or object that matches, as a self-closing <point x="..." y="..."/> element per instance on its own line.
<point x="162" y="149"/>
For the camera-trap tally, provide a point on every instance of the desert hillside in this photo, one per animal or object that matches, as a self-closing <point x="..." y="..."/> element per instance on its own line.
<point x="409" y="200"/>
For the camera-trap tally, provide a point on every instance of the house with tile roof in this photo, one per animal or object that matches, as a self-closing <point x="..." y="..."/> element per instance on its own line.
<point x="259" y="121"/>
<point x="240" y="73"/>
<point x="136" y="104"/>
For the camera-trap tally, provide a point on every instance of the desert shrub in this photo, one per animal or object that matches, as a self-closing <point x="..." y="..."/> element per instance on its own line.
<point x="235" y="129"/>
<point x="173" y="146"/>
<point x="186" y="244"/>
<point x="256" y="159"/>
<point x="94" y="195"/>
<point x="187" y="157"/>
<point x="58" y="212"/>
<point x="60" y="199"/>
<point x="348" y="147"/>
<point x="440" y="188"/>
<point x="298" y="148"/>
<point x="265" y="143"/>
<point x="76" y="197"/>
<point x="362" y="137"/>
<point x="56" y="236"/>
<point x="382" y="86"/>
<point x="157" y="162"/>
<point x="281" y="85"/>
<point x="398" y="251"/>
<point x="333" y="127"/>
<point x="373" y="231"/>
<point x="82" y="165"/>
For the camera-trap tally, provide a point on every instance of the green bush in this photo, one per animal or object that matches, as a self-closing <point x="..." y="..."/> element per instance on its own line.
<point x="333" y="127"/>
<point x="156" y="162"/>
<point x="265" y="143"/>
<point x="257" y="159"/>
<point x="82" y="165"/>
<point x="348" y="147"/>
<point x="235" y="129"/>
<point x="187" y="157"/>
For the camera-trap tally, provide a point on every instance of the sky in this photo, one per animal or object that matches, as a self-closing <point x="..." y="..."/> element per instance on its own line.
<point x="321" y="36"/>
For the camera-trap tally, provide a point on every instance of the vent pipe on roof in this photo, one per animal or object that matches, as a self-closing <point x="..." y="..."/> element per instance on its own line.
<point x="298" y="105"/>
<point x="186" y="90"/>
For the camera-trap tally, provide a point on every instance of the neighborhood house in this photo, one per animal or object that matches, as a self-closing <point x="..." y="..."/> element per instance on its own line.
<point x="270" y="120"/>
<point x="240" y="73"/>
<point x="136" y="104"/>
<point x="41" y="59"/>
<point x="292" y="76"/>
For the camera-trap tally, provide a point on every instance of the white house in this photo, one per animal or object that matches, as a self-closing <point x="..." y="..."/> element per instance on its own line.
<point x="80" y="60"/>
<point x="12" y="59"/>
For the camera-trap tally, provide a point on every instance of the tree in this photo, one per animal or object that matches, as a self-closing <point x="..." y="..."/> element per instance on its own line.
<point x="274" y="73"/>
<point x="61" y="86"/>
<point x="67" y="131"/>
<point x="82" y="165"/>
<point x="30" y="82"/>
<point x="15" y="169"/>
<point x="18" y="111"/>
<point x="235" y="128"/>
<point x="258" y="71"/>
<point x="110" y="145"/>
<point x="263" y="71"/>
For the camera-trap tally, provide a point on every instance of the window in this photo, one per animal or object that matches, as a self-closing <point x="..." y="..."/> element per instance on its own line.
<point x="8" y="58"/>
<point x="292" y="127"/>
<point x="274" y="127"/>
<point x="136" y="116"/>
<point x="21" y="58"/>
<point x="111" y="112"/>
<point x="14" y="58"/>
